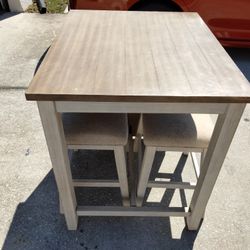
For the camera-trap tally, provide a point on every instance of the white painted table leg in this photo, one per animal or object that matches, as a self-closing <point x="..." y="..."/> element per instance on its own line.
<point x="225" y="128"/>
<point x="53" y="130"/>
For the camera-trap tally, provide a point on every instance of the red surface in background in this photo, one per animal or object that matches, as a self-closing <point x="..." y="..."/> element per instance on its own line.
<point x="229" y="20"/>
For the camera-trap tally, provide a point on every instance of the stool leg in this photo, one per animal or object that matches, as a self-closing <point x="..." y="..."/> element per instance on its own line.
<point x="60" y="205"/>
<point x="203" y="154"/>
<point x="121" y="167"/>
<point x="144" y="174"/>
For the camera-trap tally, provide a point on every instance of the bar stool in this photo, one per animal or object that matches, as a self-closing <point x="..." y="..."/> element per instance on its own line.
<point x="172" y="132"/>
<point x="99" y="132"/>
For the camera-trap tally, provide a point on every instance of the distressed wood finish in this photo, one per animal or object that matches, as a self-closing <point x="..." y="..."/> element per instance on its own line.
<point x="137" y="57"/>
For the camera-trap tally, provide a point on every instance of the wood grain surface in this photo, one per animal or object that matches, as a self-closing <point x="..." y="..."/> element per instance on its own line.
<point x="137" y="56"/>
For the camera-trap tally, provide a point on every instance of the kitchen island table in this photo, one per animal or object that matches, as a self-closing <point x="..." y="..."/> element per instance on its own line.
<point x="138" y="62"/>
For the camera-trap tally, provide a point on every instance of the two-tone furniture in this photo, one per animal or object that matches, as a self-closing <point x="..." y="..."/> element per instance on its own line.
<point x="138" y="62"/>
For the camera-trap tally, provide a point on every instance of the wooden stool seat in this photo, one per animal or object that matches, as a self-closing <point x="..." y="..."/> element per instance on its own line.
<point x="177" y="130"/>
<point x="95" y="129"/>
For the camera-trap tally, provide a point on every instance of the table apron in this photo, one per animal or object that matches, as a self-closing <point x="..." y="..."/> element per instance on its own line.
<point x="139" y="107"/>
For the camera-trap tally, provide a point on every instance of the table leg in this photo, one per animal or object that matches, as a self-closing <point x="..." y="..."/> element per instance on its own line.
<point x="224" y="130"/>
<point x="53" y="130"/>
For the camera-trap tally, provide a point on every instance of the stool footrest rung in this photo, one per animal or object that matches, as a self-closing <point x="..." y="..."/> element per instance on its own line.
<point x="132" y="211"/>
<point x="95" y="183"/>
<point x="171" y="185"/>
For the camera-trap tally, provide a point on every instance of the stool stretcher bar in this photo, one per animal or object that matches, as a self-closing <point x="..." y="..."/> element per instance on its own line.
<point x="95" y="183"/>
<point x="171" y="185"/>
<point x="132" y="211"/>
<point x="151" y="184"/>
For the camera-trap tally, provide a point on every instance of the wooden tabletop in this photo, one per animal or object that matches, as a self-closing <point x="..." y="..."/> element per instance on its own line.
<point x="137" y="56"/>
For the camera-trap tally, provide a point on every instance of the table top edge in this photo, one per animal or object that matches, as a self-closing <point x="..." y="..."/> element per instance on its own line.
<point x="136" y="98"/>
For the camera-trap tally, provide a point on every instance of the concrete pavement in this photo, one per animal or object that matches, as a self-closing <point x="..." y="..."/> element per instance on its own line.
<point x="29" y="217"/>
<point x="24" y="38"/>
